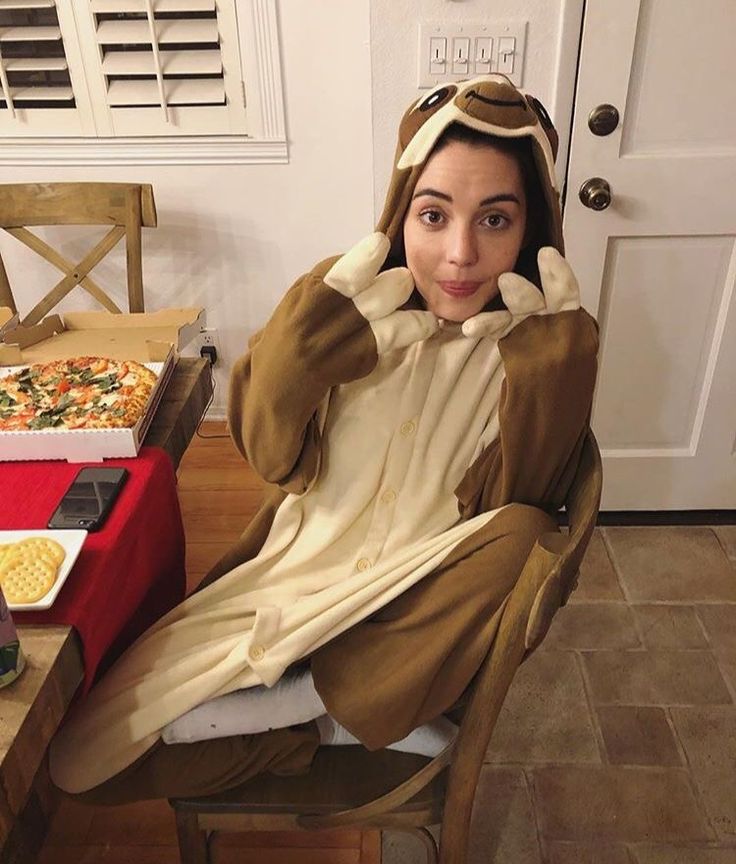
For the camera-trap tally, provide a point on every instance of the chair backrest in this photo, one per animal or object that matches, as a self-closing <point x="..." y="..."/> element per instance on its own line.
<point x="546" y="582"/>
<point x="125" y="206"/>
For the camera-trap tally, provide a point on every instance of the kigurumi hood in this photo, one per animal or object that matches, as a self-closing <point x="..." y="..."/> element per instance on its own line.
<point x="489" y="104"/>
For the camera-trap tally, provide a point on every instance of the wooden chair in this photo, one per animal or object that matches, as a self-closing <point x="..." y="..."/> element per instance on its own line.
<point x="125" y="206"/>
<point x="352" y="787"/>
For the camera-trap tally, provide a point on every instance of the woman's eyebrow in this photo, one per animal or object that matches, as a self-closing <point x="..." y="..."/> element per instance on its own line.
<point x="493" y="199"/>
<point x="507" y="196"/>
<point x="434" y="193"/>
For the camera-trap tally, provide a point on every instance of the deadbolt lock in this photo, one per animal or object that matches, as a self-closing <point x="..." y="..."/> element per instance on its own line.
<point x="603" y="119"/>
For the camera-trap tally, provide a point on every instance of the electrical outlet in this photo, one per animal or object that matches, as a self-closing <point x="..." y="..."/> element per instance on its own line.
<point x="209" y="336"/>
<point x="209" y="344"/>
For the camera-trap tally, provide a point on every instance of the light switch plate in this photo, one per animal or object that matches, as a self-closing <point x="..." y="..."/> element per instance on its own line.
<point x="482" y="37"/>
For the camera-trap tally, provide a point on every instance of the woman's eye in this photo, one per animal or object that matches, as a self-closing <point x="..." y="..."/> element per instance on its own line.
<point x="496" y="220"/>
<point x="431" y="217"/>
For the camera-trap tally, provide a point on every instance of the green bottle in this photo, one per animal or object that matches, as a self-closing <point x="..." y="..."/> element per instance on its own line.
<point x="12" y="660"/>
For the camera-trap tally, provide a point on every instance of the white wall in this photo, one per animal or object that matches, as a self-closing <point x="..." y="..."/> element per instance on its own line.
<point x="233" y="238"/>
<point x="549" y="67"/>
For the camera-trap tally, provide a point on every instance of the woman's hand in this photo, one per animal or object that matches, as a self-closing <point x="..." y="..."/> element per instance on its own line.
<point x="522" y="298"/>
<point x="378" y="296"/>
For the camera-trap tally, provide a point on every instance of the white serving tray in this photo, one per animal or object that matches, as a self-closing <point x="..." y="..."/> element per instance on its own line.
<point x="71" y="539"/>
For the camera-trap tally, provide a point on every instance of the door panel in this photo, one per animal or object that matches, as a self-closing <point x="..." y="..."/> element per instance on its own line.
<point x="654" y="355"/>
<point x="675" y="101"/>
<point x="657" y="267"/>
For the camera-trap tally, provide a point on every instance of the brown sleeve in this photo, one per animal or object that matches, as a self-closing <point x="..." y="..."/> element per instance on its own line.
<point x="550" y="363"/>
<point x="315" y="340"/>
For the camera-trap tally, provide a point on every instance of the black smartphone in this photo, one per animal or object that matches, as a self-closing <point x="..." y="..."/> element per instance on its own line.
<point x="88" y="501"/>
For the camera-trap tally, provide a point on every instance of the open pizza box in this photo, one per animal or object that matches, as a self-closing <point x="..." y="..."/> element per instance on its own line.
<point x="8" y="319"/>
<point x="152" y="338"/>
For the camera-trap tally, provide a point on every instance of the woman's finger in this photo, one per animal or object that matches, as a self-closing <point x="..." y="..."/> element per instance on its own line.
<point x="357" y="269"/>
<point x="403" y="328"/>
<point x="390" y="289"/>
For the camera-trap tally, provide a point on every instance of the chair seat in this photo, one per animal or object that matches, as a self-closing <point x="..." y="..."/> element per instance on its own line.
<point x="340" y="778"/>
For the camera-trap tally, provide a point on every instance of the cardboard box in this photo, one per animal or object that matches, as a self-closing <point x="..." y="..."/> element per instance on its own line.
<point x="152" y="338"/>
<point x="8" y="319"/>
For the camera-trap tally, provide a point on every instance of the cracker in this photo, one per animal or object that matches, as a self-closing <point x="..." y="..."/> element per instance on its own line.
<point x="43" y="547"/>
<point x="4" y="549"/>
<point x="25" y="579"/>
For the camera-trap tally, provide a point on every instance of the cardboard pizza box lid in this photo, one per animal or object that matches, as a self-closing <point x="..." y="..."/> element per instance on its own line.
<point x="143" y="336"/>
<point x="8" y="319"/>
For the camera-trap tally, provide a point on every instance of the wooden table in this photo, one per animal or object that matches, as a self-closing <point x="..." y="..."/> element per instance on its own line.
<point x="182" y="407"/>
<point x="33" y="706"/>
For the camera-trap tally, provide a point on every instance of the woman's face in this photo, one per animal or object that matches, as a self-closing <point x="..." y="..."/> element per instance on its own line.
<point x="464" y="227"/>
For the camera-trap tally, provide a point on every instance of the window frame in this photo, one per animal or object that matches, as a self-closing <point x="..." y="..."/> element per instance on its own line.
<point x="257" y="33"/>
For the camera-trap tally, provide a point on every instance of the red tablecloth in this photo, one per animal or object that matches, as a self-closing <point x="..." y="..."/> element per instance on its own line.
<point x="128" y="574"/>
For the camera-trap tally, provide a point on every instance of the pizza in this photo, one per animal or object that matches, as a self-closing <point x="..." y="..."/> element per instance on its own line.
<point x="80" y="393"/>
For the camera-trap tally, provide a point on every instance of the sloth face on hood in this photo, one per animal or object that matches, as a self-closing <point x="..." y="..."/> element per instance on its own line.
<point x="443" y="134"/>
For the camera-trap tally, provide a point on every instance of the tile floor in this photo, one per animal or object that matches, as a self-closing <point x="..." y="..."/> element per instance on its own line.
<point x="617" y="743"/>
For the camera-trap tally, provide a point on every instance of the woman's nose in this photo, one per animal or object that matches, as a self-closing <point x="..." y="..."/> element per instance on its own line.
<point x="462" y="249"/>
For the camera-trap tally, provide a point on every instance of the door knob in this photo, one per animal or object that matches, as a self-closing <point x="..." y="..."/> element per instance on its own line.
<point x="603" y="119"/>
<point x="595" y="193"/>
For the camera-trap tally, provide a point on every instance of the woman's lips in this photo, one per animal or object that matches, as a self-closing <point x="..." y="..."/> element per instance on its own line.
<point x="460" y="289"/>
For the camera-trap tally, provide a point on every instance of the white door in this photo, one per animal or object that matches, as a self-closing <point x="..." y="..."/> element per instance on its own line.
<point x="657" y="267"/>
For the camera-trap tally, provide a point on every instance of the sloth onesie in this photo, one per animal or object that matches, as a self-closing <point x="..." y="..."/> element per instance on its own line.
<point x="411" y="463"/>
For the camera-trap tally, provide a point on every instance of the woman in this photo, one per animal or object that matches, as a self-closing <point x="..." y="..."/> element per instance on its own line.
<point x="420" y="406"/>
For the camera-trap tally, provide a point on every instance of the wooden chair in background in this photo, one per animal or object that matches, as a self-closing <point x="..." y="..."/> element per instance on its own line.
<point x="350" y="787"/>
<point x="127" y="207"/>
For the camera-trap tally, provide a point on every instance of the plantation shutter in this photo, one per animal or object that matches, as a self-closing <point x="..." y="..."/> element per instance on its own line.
<point x="37" y="96"/>
<point x="123" y="73"/>
<point x="169" y="66"/>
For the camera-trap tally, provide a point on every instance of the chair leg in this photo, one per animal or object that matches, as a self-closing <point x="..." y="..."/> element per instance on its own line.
<point x="427" y="840"/>
<point x="193" y="840"/>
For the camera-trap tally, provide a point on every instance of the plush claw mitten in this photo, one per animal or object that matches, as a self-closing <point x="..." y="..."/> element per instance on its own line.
<point x="379" y="296"/>
<point x="522" y="298"/>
